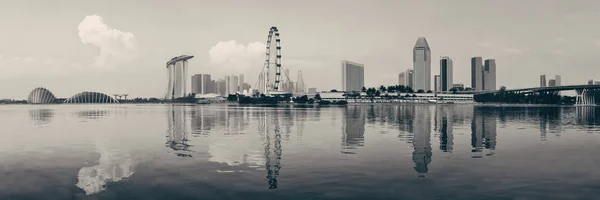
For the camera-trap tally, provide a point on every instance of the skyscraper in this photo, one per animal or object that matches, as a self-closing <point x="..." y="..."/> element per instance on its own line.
<point x="177" y="74"/>
<point x="437" y="83"/>
<point x="234" y="84"/>
<point x="196" y="83"/>
<point x="422" y="65"/>
<point x="551" y="83"/>
<point x="476" y="73"/>
<point x="410" y="77"/>
<point x="402" y="78"/>
<point x="446" y="71"/>
<point x="228" y="85"/>
<point x="558" y="80"/>
<point x="241" y="87"/>
<point x="543" y="80"/>
<point x="353" y="76"/>
<point x="489" y="75"/>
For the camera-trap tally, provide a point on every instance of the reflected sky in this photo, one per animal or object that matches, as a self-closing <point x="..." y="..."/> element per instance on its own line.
<point x="299" y="152"/>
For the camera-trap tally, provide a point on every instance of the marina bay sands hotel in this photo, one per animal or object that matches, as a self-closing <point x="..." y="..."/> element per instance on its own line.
<point x="177" y="69"/>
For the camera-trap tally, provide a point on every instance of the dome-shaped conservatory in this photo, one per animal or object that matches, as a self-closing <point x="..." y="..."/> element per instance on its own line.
<point x="41" y="95"/>
<point x="91" y="97"/>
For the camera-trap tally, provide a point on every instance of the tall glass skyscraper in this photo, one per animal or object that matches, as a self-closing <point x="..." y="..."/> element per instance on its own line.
<point x="476" y="73"/>
<point x="422" y="65"/>
<point x="446" y="73"/>
<point x="353" y="76"/>
<point x="489" y="75"/>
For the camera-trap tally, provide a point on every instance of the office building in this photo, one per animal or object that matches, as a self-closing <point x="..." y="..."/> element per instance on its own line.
<point x="543" y="80"/>
<point x="593" y="82"/>
<point x="312" y="90"/>
<point x="353" y="76"/>
<point x="422" y="65"/>
<point x="221" y="87"/>
<point x="201" y="84"/>
<point x="551" y="83"/>
<point x="402" y="78"/>
<point x="410" y="76"/>
<point x="558" y="80"/>
<point x="233" y="84"/>
<point x="177" y="75"/>
<point x="476" y="73"/>
<point x="489" y="75"/>
<point x="241" y="87"/>
<point x="437" y="83"/>
<point x="446" y="71"/>
<point x="483" y="77"/>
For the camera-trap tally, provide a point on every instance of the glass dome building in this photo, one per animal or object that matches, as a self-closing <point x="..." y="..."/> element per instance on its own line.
<point x="40" y="96"/>
<point x="91" y="97"/>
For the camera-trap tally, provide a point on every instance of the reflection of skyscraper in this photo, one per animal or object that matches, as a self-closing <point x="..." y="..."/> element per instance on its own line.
<point x="446" y="136"/>
<point x="353" y="130"/>
<point x="422" y="140"/>
<point x="483" y="132"/>
<point x="177" y="136"/>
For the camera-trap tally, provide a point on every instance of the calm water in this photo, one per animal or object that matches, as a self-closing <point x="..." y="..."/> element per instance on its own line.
<point x="354" y="152"/>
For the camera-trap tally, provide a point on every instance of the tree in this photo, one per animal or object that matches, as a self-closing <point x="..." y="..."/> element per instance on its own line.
<point x="318" y="97"/>
<point x="377" y="93"/>
<point x="429" y="91"/>
<point x="453" y="90"/>
<point x="364" y="89"/>
<point x="382" y="88"/>
<point x="334" y="90"/>
<point x="420" y="91"/>
<point x="409" y="90"/>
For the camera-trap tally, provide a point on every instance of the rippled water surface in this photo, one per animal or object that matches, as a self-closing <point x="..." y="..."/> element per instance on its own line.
<point x="353" y="152"/>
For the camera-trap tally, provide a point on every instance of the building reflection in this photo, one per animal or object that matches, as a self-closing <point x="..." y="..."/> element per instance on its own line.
<point x="422" y="140"/>
<point x="483" y="131"/>
<point x="443" y="128"/>
<point x="353" y="128"/>
<point x="177" y="134"/>
<point x="93" y="114"/>
<point x="41" y="116"/>
<point x="587" y="115"/>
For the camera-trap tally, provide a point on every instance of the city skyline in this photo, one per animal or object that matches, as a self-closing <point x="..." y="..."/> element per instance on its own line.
<point x="551" y="44"/>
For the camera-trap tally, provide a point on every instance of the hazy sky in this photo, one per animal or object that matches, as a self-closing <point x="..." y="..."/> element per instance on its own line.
<point x="121" y="46"/>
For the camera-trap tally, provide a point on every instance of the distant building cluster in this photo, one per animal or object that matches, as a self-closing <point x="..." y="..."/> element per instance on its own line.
<point x="593" y="82"/>
<point x="204" y="84"/>
<point x="483" y="73"/>
<point x="550" y="83"/>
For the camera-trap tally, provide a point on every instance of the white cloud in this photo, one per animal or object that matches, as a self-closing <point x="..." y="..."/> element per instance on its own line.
<point x="233" y="57"/>
<point x="113" y="43"/>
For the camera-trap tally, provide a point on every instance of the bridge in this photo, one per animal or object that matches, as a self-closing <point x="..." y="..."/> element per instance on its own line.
<point x="585" y="93"/>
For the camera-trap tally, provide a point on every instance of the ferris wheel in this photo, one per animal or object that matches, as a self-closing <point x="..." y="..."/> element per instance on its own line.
<point x="273" y="62"/>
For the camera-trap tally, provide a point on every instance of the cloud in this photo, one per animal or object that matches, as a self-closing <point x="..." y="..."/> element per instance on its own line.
<point x="113" y="43"/>
<point x="233" y="57"/>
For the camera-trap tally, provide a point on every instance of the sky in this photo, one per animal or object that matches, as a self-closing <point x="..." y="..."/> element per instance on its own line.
<point x="116" y="46"/>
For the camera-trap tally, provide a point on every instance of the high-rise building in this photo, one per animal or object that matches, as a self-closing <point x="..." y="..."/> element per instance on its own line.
<point x="410" y="77"/>
<point x="476" y="74"/>
<point x="312" y="90"/>
<point x="402" y="78"/>
<point x="177" y="74"/>
<point x="221" y="87"/>
<point x="233" y="84"/>
<point x="241" y="82"/>
<point x="593" y="82"/>
<point x="353" y="76"/>
<point x="551" y="83"/>
<point x="558" y="80"/>
<point x="422" y="65"/>
<point x="543" y="80"/>
<point x="437" y="83"/>
<point x="446" y="71"/>
<point x="489" y="75"/>
<point x="300" y="83"/>
<point x="196" y="83"/>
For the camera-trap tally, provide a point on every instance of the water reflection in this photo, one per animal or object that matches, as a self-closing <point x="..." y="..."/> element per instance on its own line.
<point x="353" y="128"/>
<point x="177" y="135"/>
<point x="273" y="152"/>
<point x="421" y="155"/>
<point x="483" y="131"/>
<point x="444" y="127"/>
<point x="41" y="116"/>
